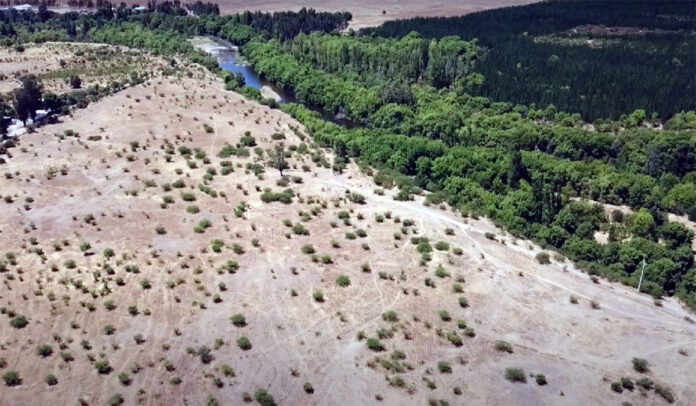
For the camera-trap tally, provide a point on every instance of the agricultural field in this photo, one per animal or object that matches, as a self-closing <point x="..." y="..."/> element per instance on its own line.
<point x="152" y="253"/>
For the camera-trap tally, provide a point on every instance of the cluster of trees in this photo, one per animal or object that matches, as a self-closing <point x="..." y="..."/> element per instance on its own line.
<point x="288" y="24"/>
<point x="378" y="60"/>
<point x="199" y="8"/>
<point x="534" y="56"/>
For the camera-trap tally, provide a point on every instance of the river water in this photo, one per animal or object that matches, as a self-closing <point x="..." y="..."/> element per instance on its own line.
<point x="230" y="59"/>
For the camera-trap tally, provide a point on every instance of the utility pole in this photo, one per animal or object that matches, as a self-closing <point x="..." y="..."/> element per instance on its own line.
<point x="641" y="275"/>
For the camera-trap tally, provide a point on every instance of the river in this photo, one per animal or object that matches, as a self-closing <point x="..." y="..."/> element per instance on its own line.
<point x="230" y="59"/>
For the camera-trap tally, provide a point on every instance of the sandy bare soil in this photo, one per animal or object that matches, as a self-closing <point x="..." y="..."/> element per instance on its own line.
<point x="109" y="176"/>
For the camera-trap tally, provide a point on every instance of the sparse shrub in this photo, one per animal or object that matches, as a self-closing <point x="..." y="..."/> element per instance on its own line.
<point x="238" y="320"/>
<point x="227" y="370"/>
<point x="124" y="379"/>
<point x="440" y="272"/>
<point x="515" y="375"/>
<point x="444" y="367"/>
<point x="454" y="338"/>
<point x="308" y="388"/>
<point x="51" y="380"/>
<point x="374" y="344"/>
<point x="540" y="379"/>
<point x="503" y="346"/>
<point x="665" y="393"/>
<point x="102" y="367"/>
<point x="616" y="387"/>
<point x="543" y="258"/>
<point x="640" y="365"/>
<point x="463" y="302"/>
<point x="342" y="281"/>
<point x="318" y="295"/>
<point x="442" y="246"/>
<point x="44" y="350"/>
<point x="390" y="316"/>
<point x="19" y="321"/>
<point x="204" y="354"/>
<point x="264" y="398"/>
<point x="12" y="378"/>
<point x="244" y="343"/>
<point x="300" y="229"/>
<point x="115" y="400"/>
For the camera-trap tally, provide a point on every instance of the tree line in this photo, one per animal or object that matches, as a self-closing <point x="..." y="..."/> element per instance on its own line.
<point x="535" y="56"/>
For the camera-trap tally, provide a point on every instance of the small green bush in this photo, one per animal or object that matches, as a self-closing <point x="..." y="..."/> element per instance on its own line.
<point x="12" y="378"/>
<point x="640" y="365"/>
<point x="543" y="258"/>
<point x="374" y="344"/>
<point x="264" y="398"/>
<point x="238" y="320"/>
<point x="19" y="321"/>
<point x="44" y="350"/>
<point x="515" y="375"/>
<point x="342" y="281"/>
<point x="444" y="367"/>
<point x="244" y="343"/>
<point x="51" y="380"/>
<point x="503" y="346"/>
<point x="390" y="316"/>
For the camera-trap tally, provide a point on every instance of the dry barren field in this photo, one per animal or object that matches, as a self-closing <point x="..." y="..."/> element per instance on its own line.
<point x="370" y="13"/>
<point x="54" y="63"/>
<point x="142" y="266"/>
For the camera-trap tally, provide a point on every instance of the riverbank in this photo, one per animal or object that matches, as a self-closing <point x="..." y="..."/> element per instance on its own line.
<point x="229" y="58"/>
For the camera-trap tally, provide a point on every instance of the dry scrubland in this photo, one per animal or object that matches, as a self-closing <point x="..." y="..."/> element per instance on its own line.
<point x="54" y="63"/>
<point x="109" y="250"/>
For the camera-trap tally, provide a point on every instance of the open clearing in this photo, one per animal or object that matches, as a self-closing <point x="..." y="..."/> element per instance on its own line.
<point x="125" y="174"/>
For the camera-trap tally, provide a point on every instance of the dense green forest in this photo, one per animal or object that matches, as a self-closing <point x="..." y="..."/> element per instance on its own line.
<point x="421" y="124"/>
<point x="545" y="53"/>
